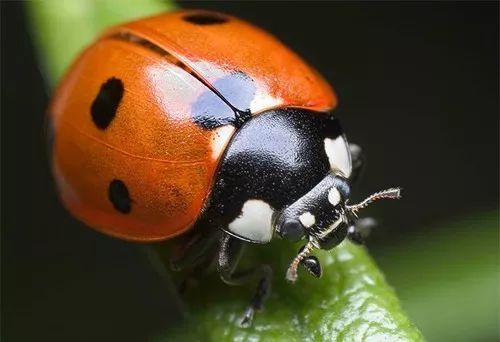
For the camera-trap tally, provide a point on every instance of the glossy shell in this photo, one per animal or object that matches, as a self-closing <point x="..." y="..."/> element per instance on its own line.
<point x="132" y="154"/>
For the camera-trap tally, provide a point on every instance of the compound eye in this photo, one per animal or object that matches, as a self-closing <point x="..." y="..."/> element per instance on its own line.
<point x="292" y="230"/>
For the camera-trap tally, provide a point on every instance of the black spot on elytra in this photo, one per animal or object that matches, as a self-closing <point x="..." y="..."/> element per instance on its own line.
<point x="205" y="18"/>
<point x="105" y="105"/>
<point x="237" y="89"/>
<point x="119" y="196"/>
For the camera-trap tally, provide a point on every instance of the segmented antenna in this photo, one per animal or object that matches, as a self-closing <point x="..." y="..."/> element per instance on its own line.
<point x="291" y="273"/>
<point x="392" y="193"/>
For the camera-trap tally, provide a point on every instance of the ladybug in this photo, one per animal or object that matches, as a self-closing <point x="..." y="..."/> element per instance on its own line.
<point x="198" y="123"/>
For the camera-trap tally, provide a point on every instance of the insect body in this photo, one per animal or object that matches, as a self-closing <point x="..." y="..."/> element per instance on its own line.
<point x="197" y="121"/>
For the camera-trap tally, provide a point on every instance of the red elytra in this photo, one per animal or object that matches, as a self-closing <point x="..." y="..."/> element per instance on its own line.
<point x="129" y="157"/>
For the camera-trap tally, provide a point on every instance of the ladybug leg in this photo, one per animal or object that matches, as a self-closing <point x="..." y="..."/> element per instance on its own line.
<point x="195" y="254"/>
<point x="311" y="264"/>
<point x="358" y="161"/>
<point x="193" y="250"/>
<point x="230" y="252"/>
<point x="359" y="232"/>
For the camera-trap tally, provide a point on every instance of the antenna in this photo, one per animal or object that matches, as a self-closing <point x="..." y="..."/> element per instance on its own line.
<point x="392" y="193"/>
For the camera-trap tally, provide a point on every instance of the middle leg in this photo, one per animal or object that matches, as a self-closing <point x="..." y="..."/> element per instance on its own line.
<point x="194" y="249"/>
<point x="194" y="255"/>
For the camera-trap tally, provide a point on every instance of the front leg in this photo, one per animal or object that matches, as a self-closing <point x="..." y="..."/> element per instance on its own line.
<point x="230" y="252"/>
<point x="359" y="232"/>
<point x="194" y="249"/>
<point x="311" y="264"/>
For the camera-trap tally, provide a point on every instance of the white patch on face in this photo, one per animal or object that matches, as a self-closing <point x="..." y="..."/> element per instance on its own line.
<point x="334" y="196"/>
<point x="339" y="155"/>
<point x="220" y="139"/>
<point x="254" y="222"/>
<point x="307" y="219"/>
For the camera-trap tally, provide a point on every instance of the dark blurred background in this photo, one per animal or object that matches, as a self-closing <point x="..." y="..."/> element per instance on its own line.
<point x="418" y="88"/>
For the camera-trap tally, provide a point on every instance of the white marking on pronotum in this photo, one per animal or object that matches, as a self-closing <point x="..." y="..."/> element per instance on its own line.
<point x="254" y="222"/>
<point x="338" y="155"/>
<point x="334" y="196"/>
<point x="307" y="219"/>
<point x="220" y="138"/>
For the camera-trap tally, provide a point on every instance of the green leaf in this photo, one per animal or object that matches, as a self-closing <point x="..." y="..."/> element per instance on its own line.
<point x="62" y="28"/>
<point x="351" y="302"/>
<point x="448" y="277"/>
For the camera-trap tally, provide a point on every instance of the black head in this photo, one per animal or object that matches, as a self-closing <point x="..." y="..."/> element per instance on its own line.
<point x="323" y="216"/>
<point x="320" y="214"/>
